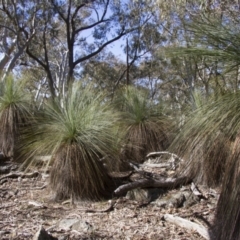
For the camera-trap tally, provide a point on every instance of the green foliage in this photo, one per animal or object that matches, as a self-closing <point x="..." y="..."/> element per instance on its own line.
<point x="15" y="111"/>
<point x="205" y="139"/>
<point x="209" y="143"/>
<point x="76" y="132"/>
<point x="147" y="128"/>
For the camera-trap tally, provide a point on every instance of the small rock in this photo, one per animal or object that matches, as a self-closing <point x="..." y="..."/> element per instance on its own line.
<point x="175" y="200"/>
<point x="82" y="226"/>
<point x="144" y="195"/>
<point x="67" y="223"/>
<point x="75" y="224"/>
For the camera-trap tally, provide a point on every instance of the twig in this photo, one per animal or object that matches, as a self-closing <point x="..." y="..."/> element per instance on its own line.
<point x="34" y="188"/>
<point x="108" y="209"/>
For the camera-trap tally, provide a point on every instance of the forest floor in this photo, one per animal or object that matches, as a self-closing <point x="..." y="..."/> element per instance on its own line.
<point x="25" y="206"/>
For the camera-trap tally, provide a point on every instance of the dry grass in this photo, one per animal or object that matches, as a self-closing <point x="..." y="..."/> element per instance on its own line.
<point x="147" y="128"/>
<point x="77" y="132"/>
<point x="14" y="113"/>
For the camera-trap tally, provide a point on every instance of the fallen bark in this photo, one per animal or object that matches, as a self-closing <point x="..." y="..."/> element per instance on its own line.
<point x="144" y="183"/>
<point x="181" y="222"/>
<point x="20" y="174"/>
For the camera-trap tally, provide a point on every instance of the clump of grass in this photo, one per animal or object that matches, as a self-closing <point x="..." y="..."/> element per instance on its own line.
<point x="76" y="132"/>
<point x="15" y="111"/>
<point x="147" y="128"/>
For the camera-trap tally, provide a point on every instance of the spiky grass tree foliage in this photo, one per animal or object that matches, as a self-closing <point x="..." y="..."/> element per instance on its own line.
<point x="226" y="116"/>
<point x="76" y="132"/>
<point x="147" y="128"/>
<point x="14" y="113"/>
<point x="204" y="147"/>
<point x="210" y="134"/>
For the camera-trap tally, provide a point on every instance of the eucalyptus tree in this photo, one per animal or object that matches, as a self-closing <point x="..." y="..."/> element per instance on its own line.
<point x="19" y="21"/>
<point x="106" y="71"/>
<point x="83" y="29"/>
<point x="176" y="78"/>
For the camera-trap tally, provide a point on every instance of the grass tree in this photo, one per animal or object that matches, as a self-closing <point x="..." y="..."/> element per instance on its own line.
<point x="147" y="128"/>
<point x="225" y="115"/>
<point x="14" y="114"/>
<point x="209" y="143"/>
<point x="203" y="144"/>
<point x="76" y="132"/>
<point x="215" y="132"/>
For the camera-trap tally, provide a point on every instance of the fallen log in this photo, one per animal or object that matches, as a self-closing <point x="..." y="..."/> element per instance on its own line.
<point x="181" y="222"/>
<point x="145" y="183"/>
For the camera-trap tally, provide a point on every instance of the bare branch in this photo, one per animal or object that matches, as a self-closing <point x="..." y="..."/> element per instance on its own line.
<point x="159" y="183"/>
<point x="181" y="222"/>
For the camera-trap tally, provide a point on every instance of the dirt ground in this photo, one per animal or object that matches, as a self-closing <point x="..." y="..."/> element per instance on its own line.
<point x="25" y="206"/>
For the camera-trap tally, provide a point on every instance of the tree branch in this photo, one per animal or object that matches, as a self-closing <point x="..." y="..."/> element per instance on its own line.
<point x="159" y="183"/>
<point x="100" y="48"/>
<point x="181" y="222"/>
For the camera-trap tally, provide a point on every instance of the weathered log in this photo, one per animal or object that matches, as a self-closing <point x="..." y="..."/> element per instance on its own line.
<point x="181" y="222"/>
<point x="159" y="183"/>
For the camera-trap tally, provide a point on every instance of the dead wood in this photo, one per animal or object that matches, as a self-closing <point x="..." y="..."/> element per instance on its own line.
<point x="195" y="190"/>
<point x="120" y="175"/>
<point x="154" y="154"/>
<point x="157" y="165"/>
<point x="181" y="222"/>
<point x="20" y="174"/>
<point x="145" y="183"/>
<point x="35" y="188"/>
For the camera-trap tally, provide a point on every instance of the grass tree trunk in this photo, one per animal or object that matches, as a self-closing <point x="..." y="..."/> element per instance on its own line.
<point x="77" y="175"/>
<point x="227" y="219"/>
